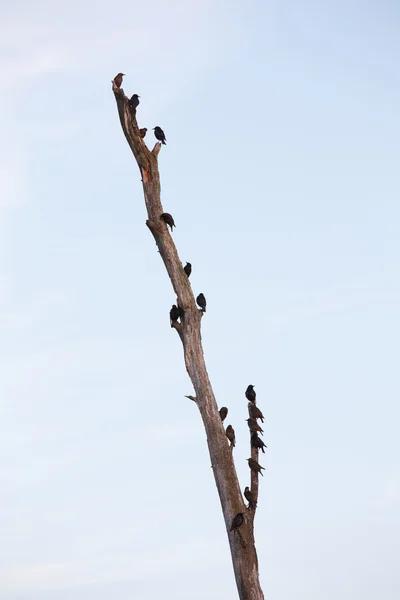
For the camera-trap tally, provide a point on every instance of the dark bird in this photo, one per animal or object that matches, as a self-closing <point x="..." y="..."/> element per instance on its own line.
<point x="250" y="393"/>
<point x="168" y="219"/>
<point x="255" y="412"/>
<point x="201" y="301"/>
<point x="257" y="442"/>
<point x="188" y="269"/>
<point x="118" y="79"/>
<point x="237" y="522"/>
<point x="254" y="466"/>
<point x="230" y="434"/>
<point x="134" y="101"/>
<point x="143" y="131"/>
<point x="160" y="135"/>
<point x="174" y="314"/>
<point x="254" y="426"/>
<point x="223" y="411"/>
<point x="250" y="497"/>
<point x="181" y="312"/>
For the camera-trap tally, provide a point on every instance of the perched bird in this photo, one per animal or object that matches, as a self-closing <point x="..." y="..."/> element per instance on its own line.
<point x="255" y="412"/>
<point x="254" y="466"/>
<point x="181" y="312"/>
<point x="223" y="413"/>
<point x="134" y="101"/>
<point x="250" y="497"/>
<point x="188" y="269"/>
<point x="257" y="442"/>
<point x="237" y="522"/>
<point x="160" y="135"/>
<point x="250" y="393"/>
<point x="230" y="434"/>
<point x="118" y="79"/>
<point x="254" y="426"/>
<point x="201" y="301"/>
<point x="168" y="219"/>
<point x="174" y="314"/>
<point x="143" y="131"/>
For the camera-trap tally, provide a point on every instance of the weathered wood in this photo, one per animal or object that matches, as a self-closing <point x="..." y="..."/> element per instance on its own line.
<point x="244" y="556"/>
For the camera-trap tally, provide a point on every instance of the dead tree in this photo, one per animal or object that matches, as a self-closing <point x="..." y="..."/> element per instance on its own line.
<point x="241" y="539"/>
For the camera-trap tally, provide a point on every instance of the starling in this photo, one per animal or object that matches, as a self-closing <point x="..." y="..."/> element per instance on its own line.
<point x="255" y="412"/>
<point x="250" y="393"/>
<point x="237" y="522"/>
<point x="223" y="413"/>
<point x="134" y="101"/>
<point x="143" y="132"/>
<point x="254" y="466"/>
<point x="250" y="497"/>
<point x="257" y="442"/>
<point x="230" y="434"/>
<point x="254" y="426"/>
<point x="174" y="314"/>
<point x="188" y="269"/>
<point x="160" y="135"/>
<point x="168" y="219"/>
<point x="201" y="301"/>
<point x="118" y="79"/>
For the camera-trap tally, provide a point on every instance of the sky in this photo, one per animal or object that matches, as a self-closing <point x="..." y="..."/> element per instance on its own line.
<point x="281" y="171"/>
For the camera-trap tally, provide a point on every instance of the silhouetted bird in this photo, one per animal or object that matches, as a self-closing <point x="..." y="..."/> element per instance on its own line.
<point x="174" y="314"/>
<point x="188" y="269"/>
<point x="160" y="135"/>
<point x="230" y="434"/>
<point x="168" y="219"/>
<point x="254" y="466"/>
<point x="257" y="442"/>
<point x="223" y="413"/>
<point x="201" y="301"/>
<point x="118" y="79"/>
<point x="255" y="412"/>
<point x="250" y="393"/>
<point x="254" y="426"/>
<point x="249" y="497"/>
<point x="134" y="101"/>
<point x="143" y="131"/>
<point x="237" y="522"/>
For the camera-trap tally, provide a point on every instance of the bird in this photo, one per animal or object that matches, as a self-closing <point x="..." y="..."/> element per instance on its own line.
<point x="255" y="412"/>
<point x="160" y="135"/>
<point x="188" y="269"/>
<point x="223" y="411"/>
<point x="250" y="393"/>
<point x="237" y="521"/>
<point x="118" y="79"/>
<point x="254" y="466"/>
<point x="230" y="434"/>
<point x="134" y="101"/>
<point x="254" y="426"/>
<point x="201" y="301"/>
<point x="181" y="312"/>
<point x="143" y="131"/>
<point x="174" y="314"/>
<point x="168" y="219"/>
<point x="257" y="442"/>
<point x="250" y="497"/>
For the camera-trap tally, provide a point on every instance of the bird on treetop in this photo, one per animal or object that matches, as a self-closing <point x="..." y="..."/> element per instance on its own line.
<point x="255" y="412"/>
<point x="160" y="135"/>
<point x="188" y="269"/>
<point x="254" y="426"/>
<point x="174" y="314"/>
<point x="237" y="522"/>
<point x="134" y="101"/>
<point x="250" y="393"/>
<point x="254" y="466"/>
<point x="168" y="219"/>
<point x="118" y="79"/>
<point x="230" y="434"/>
<point x="250" y="497"/>
<point x="201" y="301"/>
<point x="143" y="131"/>
<point x="223" y="412"/>
<point x="257" y="442"/>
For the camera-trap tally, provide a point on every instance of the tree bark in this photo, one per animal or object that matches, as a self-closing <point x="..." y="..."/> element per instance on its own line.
<point x="243" y="551"/>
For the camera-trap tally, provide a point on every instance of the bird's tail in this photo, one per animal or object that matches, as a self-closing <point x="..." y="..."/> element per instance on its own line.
<point x="164" y="142"/>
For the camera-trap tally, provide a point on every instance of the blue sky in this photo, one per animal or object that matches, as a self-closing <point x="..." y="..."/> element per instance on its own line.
<point x="281" y="172"/>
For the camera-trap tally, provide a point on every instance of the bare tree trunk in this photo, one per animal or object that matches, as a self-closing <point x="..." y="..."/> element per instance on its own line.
<point x="244" y="556"/>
